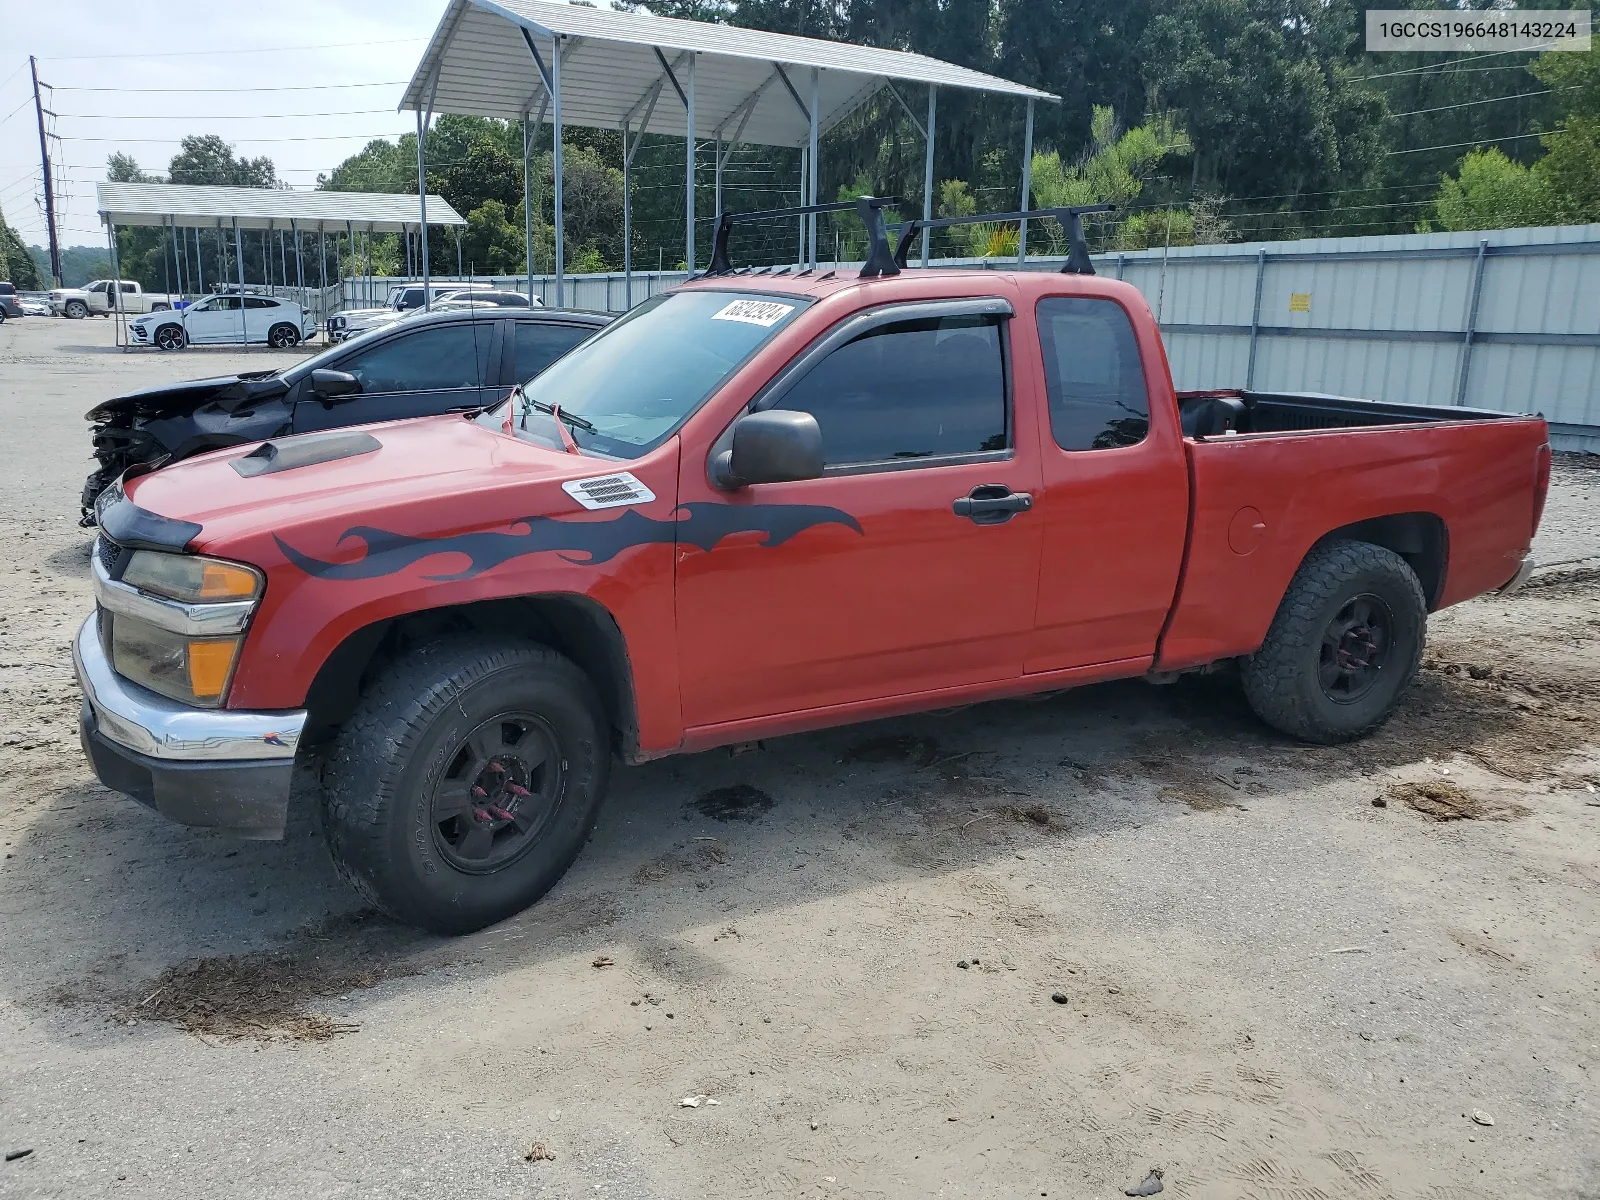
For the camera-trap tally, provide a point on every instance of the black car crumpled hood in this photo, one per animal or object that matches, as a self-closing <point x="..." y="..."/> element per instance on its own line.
<point x="227" y="392"/>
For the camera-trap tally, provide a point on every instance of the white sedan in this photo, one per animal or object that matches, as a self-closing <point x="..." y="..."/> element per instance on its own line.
<point x="219" y="320"/>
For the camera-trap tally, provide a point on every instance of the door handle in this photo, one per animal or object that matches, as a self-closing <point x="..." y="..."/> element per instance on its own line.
<point x="991" y="504"/>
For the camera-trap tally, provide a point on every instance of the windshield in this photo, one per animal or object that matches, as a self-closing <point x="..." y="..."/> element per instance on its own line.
<point x="630" y="386"/>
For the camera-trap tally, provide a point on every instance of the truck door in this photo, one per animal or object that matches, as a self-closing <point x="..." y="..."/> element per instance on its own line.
<point x="882" y="577"/>
<point x="1115" y="498"/>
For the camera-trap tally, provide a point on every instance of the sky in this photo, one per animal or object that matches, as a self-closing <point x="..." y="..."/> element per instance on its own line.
<point x="155" y="70"/>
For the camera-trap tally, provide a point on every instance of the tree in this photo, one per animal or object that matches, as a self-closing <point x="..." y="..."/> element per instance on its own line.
<point x="16" y="264"/>
<point x="123" y="168"/>
<point x="207" y="159"/>
<point x="1570" y="168"/>
<point x="1492" y="192"/>
<point x="491" y="243"/>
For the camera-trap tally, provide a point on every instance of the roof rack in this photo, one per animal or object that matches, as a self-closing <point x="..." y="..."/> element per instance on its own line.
<point x="1077" y="247"/>
<point x="881" y="261"/>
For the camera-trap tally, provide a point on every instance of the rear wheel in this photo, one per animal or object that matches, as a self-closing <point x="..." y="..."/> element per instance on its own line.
<point x="466" y="782"/>
<point x="281" y="337"/>
<point x="77" y="310"/>
<point x="170" y="337"/>
<point x="161" y="308"/>
<point x="1345" y="643"/>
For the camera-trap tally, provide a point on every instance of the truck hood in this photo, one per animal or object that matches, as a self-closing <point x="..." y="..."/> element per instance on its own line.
<point x="357" y="477"/>
<point x="180" y="399"/>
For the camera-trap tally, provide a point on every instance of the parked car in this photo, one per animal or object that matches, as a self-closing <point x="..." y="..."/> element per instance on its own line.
<point x="430" y="364"/>
<point x="403" y="298"/>
<point x="222" y="319"/>
<point x="10" y="302"/>
<point x="33" y="306"/>
<point x="96" y="298"/>
<point x="465" y="300"/>
<point x="754" y="506"/>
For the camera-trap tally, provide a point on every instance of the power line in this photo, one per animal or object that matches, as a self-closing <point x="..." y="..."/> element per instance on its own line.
<point x="359" y="112"/>
<point x="307" y="87"/>
<point x="1417" y="112"/>
<point x="1438" y="67"/>
<point x="1514" y="137"/>
<point x="250" y="50"/>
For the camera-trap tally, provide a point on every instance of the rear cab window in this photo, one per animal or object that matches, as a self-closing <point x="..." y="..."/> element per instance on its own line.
<point x="1093" y="375"/>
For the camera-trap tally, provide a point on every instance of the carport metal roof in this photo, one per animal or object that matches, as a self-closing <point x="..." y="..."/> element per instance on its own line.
<point x="640" y="73"/>
<point x="187" y="206"/>
<point x="611" y="61"/>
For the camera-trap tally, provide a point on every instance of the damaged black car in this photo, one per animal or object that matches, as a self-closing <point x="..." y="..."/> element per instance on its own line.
<point x="419" y="366"/>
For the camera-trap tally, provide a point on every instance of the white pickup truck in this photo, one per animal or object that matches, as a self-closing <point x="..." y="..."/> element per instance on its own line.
<point x="95" y="298"/>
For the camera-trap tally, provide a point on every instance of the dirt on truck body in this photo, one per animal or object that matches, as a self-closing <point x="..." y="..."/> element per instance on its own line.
<point x="754" y="506"/>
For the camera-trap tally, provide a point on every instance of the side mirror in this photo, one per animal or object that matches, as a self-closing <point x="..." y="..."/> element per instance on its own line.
<point x="774" y="446"/>
<point x="328" y="383"/>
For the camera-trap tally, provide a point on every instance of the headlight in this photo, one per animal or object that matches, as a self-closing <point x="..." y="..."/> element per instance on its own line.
<point x="177" y="622"/>
<point x="190" y="578"/>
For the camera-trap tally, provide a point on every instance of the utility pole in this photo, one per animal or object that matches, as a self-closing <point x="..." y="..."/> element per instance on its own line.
<point x="49" y="186"/>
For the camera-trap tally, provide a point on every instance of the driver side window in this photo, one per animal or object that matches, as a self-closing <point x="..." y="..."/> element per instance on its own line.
<point x="928" y="388"/>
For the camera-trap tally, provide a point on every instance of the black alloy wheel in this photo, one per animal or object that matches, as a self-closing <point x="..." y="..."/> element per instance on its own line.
<point x="1355" y="648"/>
<point x="495" y="798"/>
<point x="170" y="337"/>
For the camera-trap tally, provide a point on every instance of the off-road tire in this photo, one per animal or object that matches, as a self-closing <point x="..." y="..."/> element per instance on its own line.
<point x="76" y="310"/>
<point x="379" y="778"/>
<point x="1281" y="680"/>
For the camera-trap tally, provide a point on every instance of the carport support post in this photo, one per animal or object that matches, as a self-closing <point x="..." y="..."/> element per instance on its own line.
<point x="1027" y="183"/>
<point x="458" y="252"/>
<point x="556" y="169"/>
<point x="627" y="221"/>
<point x="927" y="171"/>
<point x="688" y="206"/>
<point x="238" y="251"/>
<point x="299" y="270"/>
<point x="527" y="201"/>
<point x="114" y="300"/>
<point x="422" y="205"/>
<point x="322" y="296"/>
<point x="811" y="166"/>
<point x="199" y="266"/>
<point x="800" y="248"/>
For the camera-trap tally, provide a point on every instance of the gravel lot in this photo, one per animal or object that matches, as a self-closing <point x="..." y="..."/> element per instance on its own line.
<point x="1288" y="972"/>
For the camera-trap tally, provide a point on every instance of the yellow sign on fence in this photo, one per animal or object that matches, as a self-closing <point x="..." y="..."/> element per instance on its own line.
<point x="1300" y="302"/>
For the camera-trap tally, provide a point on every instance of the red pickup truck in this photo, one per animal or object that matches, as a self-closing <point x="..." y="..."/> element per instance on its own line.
<point x="760" y="504"/>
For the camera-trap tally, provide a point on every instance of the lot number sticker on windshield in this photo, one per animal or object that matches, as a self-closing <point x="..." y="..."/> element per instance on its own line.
<point x="754" y="312"/>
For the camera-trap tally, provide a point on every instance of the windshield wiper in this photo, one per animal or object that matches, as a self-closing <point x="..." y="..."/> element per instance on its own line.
<point x="556" y="411"/>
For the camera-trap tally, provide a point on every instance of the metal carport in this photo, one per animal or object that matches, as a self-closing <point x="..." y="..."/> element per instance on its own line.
<point x="639" y="73"/>
<point x="177" y="206"/>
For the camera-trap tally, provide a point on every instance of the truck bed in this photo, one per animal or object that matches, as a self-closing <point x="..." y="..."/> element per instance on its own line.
<point x="1214" y="413"/>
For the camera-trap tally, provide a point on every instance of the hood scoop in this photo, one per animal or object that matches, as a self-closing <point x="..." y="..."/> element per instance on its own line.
<point x="306" y="450"/>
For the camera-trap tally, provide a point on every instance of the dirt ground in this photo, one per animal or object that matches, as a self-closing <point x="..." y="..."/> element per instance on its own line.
<point x="827" y="968"/>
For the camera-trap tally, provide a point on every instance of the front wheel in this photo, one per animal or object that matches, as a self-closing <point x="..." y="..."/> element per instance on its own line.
<point x="466" y="781"/>
<point x="281" y="337"/>
<point x="1345" y="643"/>
<point x="76" y="310"/>
<point x="170" y="337"/>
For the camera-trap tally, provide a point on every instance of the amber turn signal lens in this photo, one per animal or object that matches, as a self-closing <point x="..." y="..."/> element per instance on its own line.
<point x="209" y="665"/>
<point x="219" y="581"/>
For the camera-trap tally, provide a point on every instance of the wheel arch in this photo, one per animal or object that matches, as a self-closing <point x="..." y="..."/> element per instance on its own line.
<point x="1421" y="538"/>
<point x="573" y="625"/>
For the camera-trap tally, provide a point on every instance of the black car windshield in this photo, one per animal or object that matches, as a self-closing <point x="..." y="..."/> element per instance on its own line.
<point x="630" y="386"/>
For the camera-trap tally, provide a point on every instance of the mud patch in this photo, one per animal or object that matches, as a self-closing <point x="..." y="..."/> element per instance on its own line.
<point x="740" y="802"/>
<point x="905" y="749"/>
<point x="1440" y="800"/>
<point x="268" y="996"/>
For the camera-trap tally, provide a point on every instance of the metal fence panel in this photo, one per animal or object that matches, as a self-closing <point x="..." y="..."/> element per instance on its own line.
<point x="1503" y="319"/>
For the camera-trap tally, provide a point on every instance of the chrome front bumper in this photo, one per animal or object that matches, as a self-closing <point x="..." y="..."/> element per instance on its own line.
<point x="217" y="768"/>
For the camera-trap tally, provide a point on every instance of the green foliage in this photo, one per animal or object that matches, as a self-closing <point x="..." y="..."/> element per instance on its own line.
<point x="1116" y="165"/>
<point x="1570" y="168"/>
<point x="79" y="264"/>
<point x="1491" y="192"/>
<point x="492" y="243"/>
<point x="208" y="160"/>
<point x="16" y="264"/>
